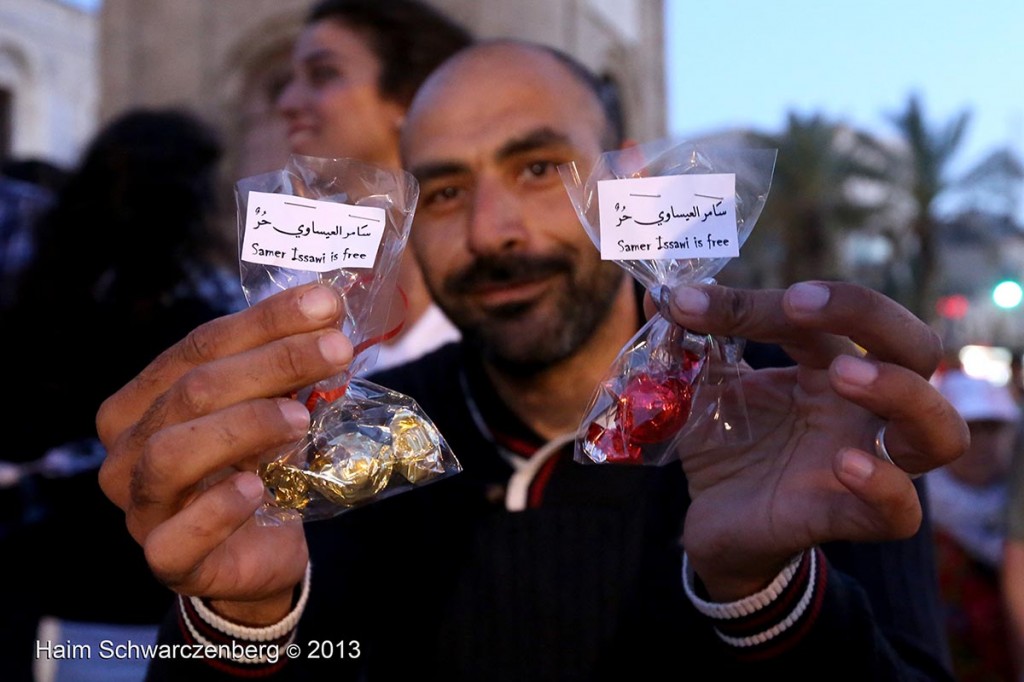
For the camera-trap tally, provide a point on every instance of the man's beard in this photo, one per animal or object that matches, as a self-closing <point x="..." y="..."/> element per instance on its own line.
<point x="516" y="337"/>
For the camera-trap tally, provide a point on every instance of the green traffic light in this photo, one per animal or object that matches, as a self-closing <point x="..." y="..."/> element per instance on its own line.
<point x="1007" y="294"/>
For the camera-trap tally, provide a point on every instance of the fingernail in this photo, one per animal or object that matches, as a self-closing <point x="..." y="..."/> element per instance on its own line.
<point x="319" y="303"/>
<point x="335" y="348"/>
<point x="807" y="297"/>
<point x="662" y="297"/>
<point x="295" y="414"/>
<point x="855" y="370"/>
<point x="249" y="485"/>
<point x="857" y="464"/>
<point x="692" y="301"/>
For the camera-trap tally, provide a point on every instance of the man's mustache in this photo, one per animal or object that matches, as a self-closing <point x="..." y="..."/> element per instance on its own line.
<point x="489" y="270"/>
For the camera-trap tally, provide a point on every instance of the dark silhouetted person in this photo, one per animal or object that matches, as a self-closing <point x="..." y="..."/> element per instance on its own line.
<point x="126" y="260"/>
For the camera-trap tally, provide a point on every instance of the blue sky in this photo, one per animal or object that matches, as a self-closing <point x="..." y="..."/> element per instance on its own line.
<point x="85" y="4"/>
<point x="749" y="62"/>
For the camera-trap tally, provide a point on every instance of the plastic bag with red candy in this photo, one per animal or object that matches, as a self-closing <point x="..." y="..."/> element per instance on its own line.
<point x="343" y="223"/>
<point x="669" y="213"/>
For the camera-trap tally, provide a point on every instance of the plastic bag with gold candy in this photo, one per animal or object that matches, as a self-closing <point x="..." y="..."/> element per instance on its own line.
<point x="369" y="443"/>
<point x="343" y="223"/>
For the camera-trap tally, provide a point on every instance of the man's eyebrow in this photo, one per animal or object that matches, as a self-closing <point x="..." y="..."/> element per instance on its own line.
<point x="428" y="171"/>
<point x="535" y="139"/>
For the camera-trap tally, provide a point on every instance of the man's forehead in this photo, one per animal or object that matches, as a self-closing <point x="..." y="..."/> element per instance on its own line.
<point x="500" y="65"/>
<point x="499" y="93"/>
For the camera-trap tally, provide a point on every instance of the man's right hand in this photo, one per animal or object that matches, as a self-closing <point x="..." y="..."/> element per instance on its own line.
<point x="212" y="403"/>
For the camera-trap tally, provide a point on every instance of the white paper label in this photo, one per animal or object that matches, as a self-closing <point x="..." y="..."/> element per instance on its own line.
<point x="305" y="234"/>
<point x="668" y="217"/>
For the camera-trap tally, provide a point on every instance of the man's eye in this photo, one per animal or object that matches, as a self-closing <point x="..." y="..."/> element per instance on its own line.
<point x="441" y="196"/>
<point x="539" y="169"/>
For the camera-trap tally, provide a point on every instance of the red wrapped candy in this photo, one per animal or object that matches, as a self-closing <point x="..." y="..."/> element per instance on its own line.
<point x="653" y="409"/>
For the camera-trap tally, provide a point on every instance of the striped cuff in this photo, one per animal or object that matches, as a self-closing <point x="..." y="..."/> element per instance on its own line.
<point x="236" y="649"/>
<point x="775" y="619"/>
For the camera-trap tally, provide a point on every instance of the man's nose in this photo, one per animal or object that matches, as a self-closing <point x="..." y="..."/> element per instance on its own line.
<point x="496" y="223"/>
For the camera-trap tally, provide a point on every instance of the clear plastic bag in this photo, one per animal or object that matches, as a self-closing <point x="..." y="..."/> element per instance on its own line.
<point x="681" y="215"/>
<point x="343" y="223"/>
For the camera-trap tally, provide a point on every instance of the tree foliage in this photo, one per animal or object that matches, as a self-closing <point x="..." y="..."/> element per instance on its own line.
<point x="819" y="191"/>
<point x="929" y="153"/>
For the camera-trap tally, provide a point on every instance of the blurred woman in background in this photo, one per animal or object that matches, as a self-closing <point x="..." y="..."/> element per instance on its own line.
<point x="355" y="69"/>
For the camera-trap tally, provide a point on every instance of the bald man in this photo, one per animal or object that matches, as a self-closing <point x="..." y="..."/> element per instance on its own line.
<point x="804" y="553"/>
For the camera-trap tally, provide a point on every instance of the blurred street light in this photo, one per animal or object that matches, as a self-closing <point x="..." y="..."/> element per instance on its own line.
<point x="1007" y="294"/>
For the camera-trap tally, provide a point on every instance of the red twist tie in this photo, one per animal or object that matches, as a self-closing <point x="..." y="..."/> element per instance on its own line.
<point x="388" y="335"/>
<point x="327" y="396"/>
<point x="330" y="396"/>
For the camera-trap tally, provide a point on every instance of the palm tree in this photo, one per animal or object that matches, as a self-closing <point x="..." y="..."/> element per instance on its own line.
<point x="817" y="194"/>
<point x="929" y="152"/>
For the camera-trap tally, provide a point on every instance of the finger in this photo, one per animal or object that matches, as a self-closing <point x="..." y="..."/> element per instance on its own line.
<point x="294" y="311"/>
<point x="274" y="369"/>
<point x="875" y="322"/>
<point x="174" y="461"/>
<point x="263" y="372"/>
<point x="886" y="504"/>
<point x="176" y="548"/>
<point x="758" y="315"/>
<point x="181" y="457"/>
<point x="923" y="430"/>
<point x="214" y="547"/>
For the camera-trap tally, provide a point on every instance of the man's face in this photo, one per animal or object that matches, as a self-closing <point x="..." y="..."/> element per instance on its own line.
<point x="499" y="243"/>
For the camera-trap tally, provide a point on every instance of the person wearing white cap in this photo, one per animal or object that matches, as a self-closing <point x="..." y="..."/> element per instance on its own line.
<point x="968" y="499"/>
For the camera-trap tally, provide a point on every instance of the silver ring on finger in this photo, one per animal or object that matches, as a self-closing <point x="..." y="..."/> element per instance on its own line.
<point x="882" y="452"/>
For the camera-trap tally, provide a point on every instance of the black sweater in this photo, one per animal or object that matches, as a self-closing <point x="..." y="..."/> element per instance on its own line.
<point x="443" y="582"/>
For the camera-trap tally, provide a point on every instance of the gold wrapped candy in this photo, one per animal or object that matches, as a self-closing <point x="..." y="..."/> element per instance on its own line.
<point x="417" y="447"/>
<point x="287" y="483"/>
<point x="353" y="468"/>
<point x="369" y="443"/>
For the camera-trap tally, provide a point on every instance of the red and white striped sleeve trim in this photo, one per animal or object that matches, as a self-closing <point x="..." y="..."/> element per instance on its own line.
<point x="201" y="626"/>
<point x="775" y="619"/>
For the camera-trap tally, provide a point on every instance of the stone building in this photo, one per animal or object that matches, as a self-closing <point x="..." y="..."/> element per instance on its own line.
<point x="226" y="59"/>
<point x="48" y="79"/>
